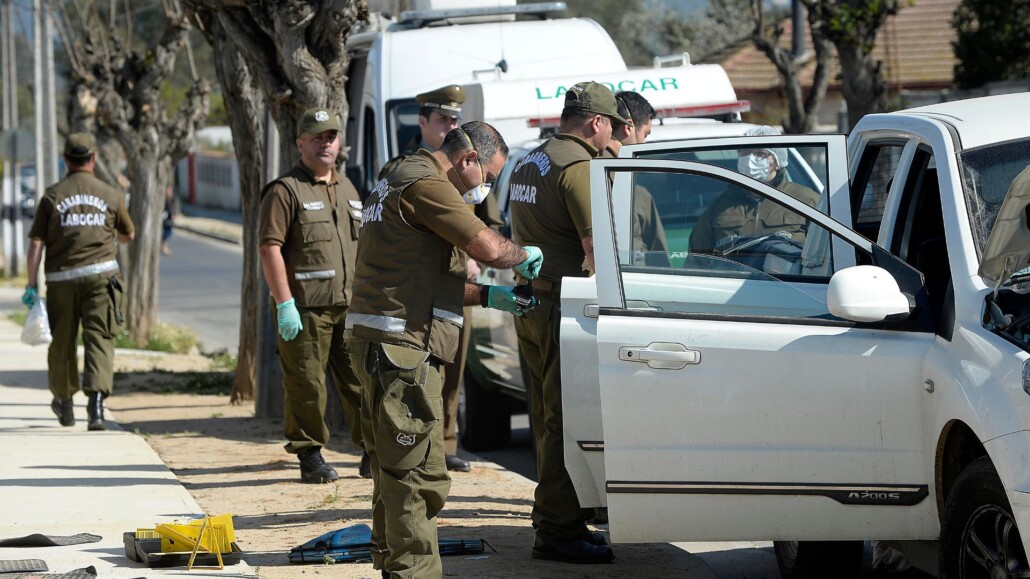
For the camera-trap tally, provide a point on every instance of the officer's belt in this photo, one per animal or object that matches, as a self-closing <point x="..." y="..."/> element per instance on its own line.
<point x="544" y="285"/>
<point x="393" y="325"/>
<point x="83" y="271"/>
<point x="306" y="275"/>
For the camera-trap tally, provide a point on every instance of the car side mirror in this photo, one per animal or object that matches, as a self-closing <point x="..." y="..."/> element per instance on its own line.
<point x="866" y="293"/>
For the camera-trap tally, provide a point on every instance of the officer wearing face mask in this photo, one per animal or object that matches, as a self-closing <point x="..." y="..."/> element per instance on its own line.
<point x="737" y="214"/>
<point x="439" y="112"/>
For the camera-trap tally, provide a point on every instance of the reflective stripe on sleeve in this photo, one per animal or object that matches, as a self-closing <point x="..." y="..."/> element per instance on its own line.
<point x="84" y="271"/>
<point x="381" y="323"/>
<point x="449" y="316"/>
<point x="306" y="275"/>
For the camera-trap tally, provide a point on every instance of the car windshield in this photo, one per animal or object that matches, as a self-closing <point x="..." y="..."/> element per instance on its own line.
<point x="987" y="173"/>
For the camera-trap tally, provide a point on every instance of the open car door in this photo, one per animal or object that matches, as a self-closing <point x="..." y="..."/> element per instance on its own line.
<point x="734" y="405"/>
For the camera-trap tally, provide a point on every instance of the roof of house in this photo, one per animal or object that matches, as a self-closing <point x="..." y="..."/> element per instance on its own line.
<point x="914" y="45"/>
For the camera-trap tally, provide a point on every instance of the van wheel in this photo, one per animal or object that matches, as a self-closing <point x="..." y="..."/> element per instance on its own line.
<point x="979" y="537"/>
<point x="485" y="422"/>
<point x="819" y="559"/>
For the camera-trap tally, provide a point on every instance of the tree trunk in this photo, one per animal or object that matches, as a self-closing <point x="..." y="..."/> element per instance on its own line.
<point x="145" y="206"/>
<point x="245" y="106"/>
<point x="862" y="86"/>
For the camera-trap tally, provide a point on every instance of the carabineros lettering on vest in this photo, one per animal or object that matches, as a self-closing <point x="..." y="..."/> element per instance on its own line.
<point x="76" y="200"/>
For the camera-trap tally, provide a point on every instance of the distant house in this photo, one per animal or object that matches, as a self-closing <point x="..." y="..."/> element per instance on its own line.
<point x="914" y="45"/>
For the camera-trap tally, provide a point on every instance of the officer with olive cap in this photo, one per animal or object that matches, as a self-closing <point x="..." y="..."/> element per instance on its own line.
<point x="439" y="112"/>
<point x="308" y="233"/>
<point x="550" y="208"/>
<point x="406" y="318"/>
<point x="78" y="221"/>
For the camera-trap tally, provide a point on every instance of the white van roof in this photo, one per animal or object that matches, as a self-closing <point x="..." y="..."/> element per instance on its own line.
<point x="415" y="60"/>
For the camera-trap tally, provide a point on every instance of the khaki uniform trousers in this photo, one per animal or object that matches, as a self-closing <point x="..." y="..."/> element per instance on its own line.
<point x="304" y="360"/>
<point x="405" y="502"/>
<point x="556" y="511"/>
<point x="452" y="374"/>
<point x="96" y="303"/>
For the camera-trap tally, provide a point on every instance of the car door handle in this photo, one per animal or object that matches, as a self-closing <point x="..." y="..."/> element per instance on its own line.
<point x="661" y="355"/>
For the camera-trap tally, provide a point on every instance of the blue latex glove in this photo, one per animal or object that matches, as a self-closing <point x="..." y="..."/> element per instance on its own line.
<point x="289" y="320"/>
<point x="530" y="268"/>
<point x="503" y="298"/>
<point x="30" y="297"/>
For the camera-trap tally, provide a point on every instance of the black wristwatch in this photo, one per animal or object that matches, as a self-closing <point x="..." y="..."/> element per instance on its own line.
<point x="484" y="295"/>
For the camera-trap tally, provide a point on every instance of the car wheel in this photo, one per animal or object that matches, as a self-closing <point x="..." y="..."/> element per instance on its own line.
<point x="979" y="537"/>
<point x="485" y="419"/>
<point x="819" y="559"/>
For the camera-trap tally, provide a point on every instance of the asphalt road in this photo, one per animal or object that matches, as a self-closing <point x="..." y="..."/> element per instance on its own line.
<point x="200" y="288"/>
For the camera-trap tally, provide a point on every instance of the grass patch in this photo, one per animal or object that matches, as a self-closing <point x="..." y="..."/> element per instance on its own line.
<point x="163" y="338"/>
<point x="215" y="383"/>
<point x="330" y="499"/>
<point x="18" y="316"/>
<point x="223" y="360"/>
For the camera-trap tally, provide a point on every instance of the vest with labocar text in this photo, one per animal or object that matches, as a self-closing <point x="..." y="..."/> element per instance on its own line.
<point x="83" y="223"/>
<point x="320" y="245"/>
<point x="406" y="291"/>
<point x="539" y="214"/>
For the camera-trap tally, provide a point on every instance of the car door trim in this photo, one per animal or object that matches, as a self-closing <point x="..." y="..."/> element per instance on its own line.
<point x="846" y="494"/>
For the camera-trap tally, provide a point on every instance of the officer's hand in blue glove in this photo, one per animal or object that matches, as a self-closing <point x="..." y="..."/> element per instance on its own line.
<point x="30" y="297"/>
<point x="289" y="320"/>
<point x="505" y="299"/>
<point x="530" y="268"/>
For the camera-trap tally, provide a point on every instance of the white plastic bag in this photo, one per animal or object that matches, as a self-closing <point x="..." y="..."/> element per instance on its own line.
<point x="37" y="325"/>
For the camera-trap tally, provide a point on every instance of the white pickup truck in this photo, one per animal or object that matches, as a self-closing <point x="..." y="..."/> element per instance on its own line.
<point x="867" y="380"/>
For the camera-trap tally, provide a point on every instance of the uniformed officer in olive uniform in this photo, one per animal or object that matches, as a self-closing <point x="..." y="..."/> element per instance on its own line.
<point x="736" y="213"/>
<point x="406" y="317"/>
<point x="78" y="221"/>
<point x="550" y="208"/>
<point x="439" y="112"/>
<point x="308" y="232"/>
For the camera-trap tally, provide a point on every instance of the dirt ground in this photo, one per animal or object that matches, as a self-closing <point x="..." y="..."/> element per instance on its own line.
<point x="232" y="462"/>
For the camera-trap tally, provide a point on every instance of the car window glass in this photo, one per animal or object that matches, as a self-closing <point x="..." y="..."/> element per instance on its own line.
<point x="803" y="166"/>
<point x="873" y="186"/>
<point x="760" y="258"/>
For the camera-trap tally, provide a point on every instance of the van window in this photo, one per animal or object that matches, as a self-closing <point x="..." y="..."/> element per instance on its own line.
<point x="403" y="125"/>
<point x="872" y="183"/>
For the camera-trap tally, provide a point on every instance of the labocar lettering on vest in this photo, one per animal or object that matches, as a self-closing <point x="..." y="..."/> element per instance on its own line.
<point x="83" y="219"/>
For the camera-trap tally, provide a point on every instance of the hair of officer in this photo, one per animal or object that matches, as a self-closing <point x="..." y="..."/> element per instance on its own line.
<point x="427" y="112"/>
<point x="486" y="141"/>
<point x="573" y="118"/>
<point x="639" y="109"/>
<point x="78" y="162"/>
<point x="623" y="109"/>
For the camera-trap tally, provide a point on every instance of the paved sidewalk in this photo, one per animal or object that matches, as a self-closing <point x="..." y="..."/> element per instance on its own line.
<point x="64" y="481"/>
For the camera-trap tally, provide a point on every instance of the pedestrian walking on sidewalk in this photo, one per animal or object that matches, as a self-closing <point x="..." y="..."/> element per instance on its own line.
<point x="406" y="319"/>
<point x="78" y="222"/>
<point x="308" y="233"/>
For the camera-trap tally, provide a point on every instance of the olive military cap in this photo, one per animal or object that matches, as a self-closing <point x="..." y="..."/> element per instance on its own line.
<point x="447" y="100"/>
<point x="594" y="98"/>
<point x="317" y="121"/>
<point x="79" y="146"/>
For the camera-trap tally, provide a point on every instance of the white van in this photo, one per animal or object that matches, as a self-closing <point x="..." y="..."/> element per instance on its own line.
<point x="425" y="49"/>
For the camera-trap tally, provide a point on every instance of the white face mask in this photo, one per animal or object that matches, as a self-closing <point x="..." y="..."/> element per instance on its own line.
<point x="755" y="166"/>
<point x="477" y="194"/>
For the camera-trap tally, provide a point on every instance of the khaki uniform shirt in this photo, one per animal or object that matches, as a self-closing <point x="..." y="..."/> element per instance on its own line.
<point x="737" y="212"/>
<point x="78" y="219"/>
<point x="316" y="224"/>
<point x="549" y="197"/>
<point x="406" y="290"/>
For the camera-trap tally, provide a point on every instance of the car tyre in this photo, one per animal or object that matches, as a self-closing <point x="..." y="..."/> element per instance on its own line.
<point x="485" y="419"/>
<point x="819" y="559"/>
<point x="979" y="537"/>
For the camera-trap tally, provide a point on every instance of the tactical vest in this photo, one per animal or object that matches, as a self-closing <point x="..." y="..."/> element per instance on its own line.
<point x="321" y="242"/>
<point x="81" y="232"/>
<point x="408" y="292"/>
<point x="539" y="215"/>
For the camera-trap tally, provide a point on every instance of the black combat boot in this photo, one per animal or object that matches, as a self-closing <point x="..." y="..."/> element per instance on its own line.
<point x="95" y="410"/>
<point x="313" y="468"/>
<point x="65" y="411"/>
